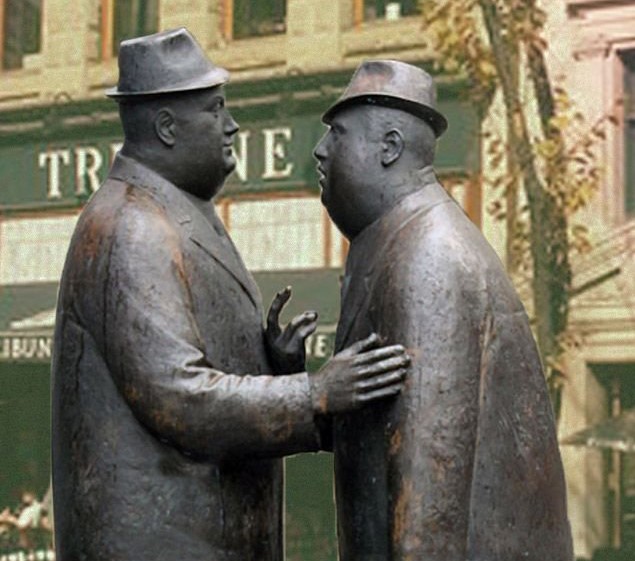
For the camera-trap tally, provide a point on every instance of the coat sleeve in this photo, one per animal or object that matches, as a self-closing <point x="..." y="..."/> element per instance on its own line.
<point x="152" y="345"/>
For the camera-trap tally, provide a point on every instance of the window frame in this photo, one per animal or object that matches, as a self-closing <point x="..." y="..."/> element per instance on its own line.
<point x="330" y="236"/>
<point x="107" y="28"/>
<point x="3" y="8"/>
<point x="228" y="20"/>
<point x="359" y="15"/>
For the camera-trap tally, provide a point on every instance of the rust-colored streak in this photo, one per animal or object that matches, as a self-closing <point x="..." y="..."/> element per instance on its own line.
<point x="90" y="246"/>
<point x="323" y="404"/>
<point x="400" y="520"/>
<point x="395" y="443"/>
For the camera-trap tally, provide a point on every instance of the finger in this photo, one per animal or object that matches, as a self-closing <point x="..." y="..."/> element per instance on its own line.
<point x="393" y="363"/>
<point x="302" y="319"/>
<point x="381" y="393"/>
<point x="394" y="377"/>
<point x="360" y="346"/>
<point x="379" y="354"/>
<point x="298" y="324"/>
<point x="307" y="330"/>
<point x="279" y="300"/>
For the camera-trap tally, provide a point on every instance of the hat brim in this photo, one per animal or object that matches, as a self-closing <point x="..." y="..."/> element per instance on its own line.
<point x="214" y="78"/>
<point x="431" y="116"/>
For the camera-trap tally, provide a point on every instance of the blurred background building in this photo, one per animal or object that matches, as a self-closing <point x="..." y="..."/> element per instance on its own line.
<point x="289" y="60"/>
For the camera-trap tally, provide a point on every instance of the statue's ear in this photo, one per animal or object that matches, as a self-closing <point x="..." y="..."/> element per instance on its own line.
<point x="392" y="146"/>
<point x="164" y="126"/>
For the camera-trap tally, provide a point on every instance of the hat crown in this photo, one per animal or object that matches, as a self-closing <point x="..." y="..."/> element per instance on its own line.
<point x="170" y="61"/>
<point x="395" y="78"/>
<point x="394" y="84"/>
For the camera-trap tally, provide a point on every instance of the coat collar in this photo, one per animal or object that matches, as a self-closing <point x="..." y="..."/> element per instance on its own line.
<point x="368" y="247"/>
<point x="206" y="232"/>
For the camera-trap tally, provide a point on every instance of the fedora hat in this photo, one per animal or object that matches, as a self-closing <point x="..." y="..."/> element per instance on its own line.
<point x="166" y="62"/>
<point x="395" y="84"/>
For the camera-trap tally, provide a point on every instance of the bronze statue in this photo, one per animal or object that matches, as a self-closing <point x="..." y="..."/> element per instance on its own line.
<point x="464" y="465"/>
<point x="172" y="405"/>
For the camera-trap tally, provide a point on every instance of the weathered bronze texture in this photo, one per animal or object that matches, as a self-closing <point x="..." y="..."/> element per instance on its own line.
<point x="464" y="465"/>
<point x="172" y="405"/>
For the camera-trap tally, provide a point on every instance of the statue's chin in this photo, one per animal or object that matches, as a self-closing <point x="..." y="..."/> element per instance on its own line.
<point x="230" y="165"/>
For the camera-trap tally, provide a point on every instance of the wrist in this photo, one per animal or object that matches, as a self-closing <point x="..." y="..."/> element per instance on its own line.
<point x="318" y="396"/>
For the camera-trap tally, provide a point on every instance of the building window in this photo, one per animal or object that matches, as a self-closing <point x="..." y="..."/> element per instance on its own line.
<point x="283" y="233"/>
<point x="21" y="25"/>
<point x="124" y="19"/>
<point x="628" y="59"/>
<point x="34" y="249"/>
<point x="371" y="10"/>
<point x="254" y="18"/>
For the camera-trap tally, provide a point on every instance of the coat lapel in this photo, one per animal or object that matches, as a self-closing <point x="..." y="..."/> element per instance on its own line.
<point x="215" y="241"/>
<point x="211" y="237"/>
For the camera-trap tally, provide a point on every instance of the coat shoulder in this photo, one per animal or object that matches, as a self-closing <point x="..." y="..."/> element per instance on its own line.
<point x="127" y="213"/>
<point x="442" y="242"/>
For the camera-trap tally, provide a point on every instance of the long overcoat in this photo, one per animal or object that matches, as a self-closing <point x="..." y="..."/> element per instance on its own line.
<point x="464" y="464"/>
<point x="167" y="426"/>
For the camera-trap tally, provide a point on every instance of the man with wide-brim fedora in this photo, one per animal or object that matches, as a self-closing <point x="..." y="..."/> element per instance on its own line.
<point x="464" y="465"/>
<point x="171" y="404"/>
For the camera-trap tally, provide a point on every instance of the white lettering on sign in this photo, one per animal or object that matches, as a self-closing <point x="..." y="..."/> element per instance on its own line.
<point x="319" y="345"/>
<point x="275" y="151"/>
<point x="88" y="161"/>
<point x="25" y="348"/>
<point x="240" y="155"/>
<point x="50" y="160"/>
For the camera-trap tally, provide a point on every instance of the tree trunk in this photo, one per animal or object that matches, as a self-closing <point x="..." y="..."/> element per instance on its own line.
<point x="548" y="235"/>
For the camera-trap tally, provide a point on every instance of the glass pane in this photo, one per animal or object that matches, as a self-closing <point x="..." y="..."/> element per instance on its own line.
<point x="279" y="234"/>
<point x="256" y="18"/>
<point x="22" y="30"/>
<point x="134" y="18"/>
<point x="34" y="249"/>
<point x="389" y="9"/>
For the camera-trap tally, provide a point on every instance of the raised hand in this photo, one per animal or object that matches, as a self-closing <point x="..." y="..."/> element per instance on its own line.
<point x="286" y="346"/>
<point x="360" y="374"/>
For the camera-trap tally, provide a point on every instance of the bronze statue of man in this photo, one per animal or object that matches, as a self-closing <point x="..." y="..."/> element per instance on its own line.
<point x="171" y="404"/>
<point x="464" y="465"/>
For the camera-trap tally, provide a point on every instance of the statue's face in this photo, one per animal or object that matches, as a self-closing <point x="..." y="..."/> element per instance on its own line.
<point x="205" y="131"/>
<point x="348" y="162"/>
